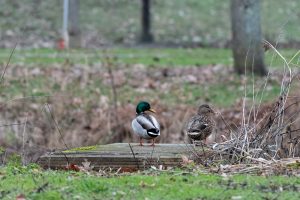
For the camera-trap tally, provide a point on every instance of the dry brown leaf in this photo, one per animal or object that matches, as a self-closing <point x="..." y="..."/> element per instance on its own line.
<point x="21" y="197"/>
<point x="186" y="160"/>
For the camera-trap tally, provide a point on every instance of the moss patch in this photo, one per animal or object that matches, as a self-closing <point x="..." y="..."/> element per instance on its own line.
<point x="2" y="150"/>
<point x="295" y="165"/>
<point x="82" y="149"/>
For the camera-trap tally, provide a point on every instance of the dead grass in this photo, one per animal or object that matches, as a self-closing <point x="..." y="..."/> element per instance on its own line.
<point x="265" y="132"/>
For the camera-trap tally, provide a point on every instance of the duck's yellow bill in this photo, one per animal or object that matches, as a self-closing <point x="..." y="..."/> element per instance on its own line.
<point x="152" y="110"/>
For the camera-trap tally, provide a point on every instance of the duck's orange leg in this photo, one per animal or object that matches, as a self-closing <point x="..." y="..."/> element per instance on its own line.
<point x="141" y="142"/>
<point x="152" y="143"/>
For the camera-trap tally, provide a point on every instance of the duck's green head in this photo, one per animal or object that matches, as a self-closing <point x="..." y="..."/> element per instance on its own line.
<point x="143" y="106"/>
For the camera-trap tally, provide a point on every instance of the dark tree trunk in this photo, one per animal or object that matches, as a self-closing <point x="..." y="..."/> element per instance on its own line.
<point x="74" y="26"/>
<point x="146" y="35"/>
<point x="247" y="37"/>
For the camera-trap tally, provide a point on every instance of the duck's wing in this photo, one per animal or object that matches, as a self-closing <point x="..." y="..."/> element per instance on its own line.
<point x="196" y="124"/>
<point x="148" y="123"/>
<point x="154" y="121"/>
<point x="138" y="129"/>
<point x="199" y="127"/>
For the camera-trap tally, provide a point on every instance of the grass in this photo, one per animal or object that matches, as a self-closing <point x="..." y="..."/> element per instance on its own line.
<point x="147" y="56"/>
<point x="35" y="183"/>
<point x="153" y="57"/>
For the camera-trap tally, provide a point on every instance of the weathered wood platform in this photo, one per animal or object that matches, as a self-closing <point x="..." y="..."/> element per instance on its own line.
<point x="119" y="155"/>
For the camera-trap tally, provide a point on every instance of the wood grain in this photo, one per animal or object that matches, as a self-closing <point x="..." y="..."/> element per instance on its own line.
<point x="120" y="155"/>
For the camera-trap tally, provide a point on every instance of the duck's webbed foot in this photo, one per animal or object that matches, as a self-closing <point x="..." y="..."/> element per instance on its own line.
<point x="153" y="144"/>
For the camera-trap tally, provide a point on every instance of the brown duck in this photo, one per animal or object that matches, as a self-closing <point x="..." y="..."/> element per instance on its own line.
<point x="201" y="125"/>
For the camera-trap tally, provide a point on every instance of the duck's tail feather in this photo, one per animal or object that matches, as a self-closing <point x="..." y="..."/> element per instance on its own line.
<point x="153" y="132"/>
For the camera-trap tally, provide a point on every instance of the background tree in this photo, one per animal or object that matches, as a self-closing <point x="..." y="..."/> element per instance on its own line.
<point x="146" y="35"/>
<point x="246" y="37"/>
<point x="74" y="26"/>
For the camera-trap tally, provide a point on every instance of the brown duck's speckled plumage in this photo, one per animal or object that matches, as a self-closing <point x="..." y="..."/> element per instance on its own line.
<point x="201" y="125"/>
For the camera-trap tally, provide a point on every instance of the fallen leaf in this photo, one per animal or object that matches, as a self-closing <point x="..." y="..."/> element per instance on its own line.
<point x="21" y="197"/>
<point x="236" y="197"/>
<point x="72" y="167"/>
<point x="143" y="184"/>
<point x="86" y="166"/>
<point x="127" y="169"/>
<point x="186" y="160"/>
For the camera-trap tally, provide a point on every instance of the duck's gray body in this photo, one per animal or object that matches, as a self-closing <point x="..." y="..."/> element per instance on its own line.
<point x="145" y="126"/>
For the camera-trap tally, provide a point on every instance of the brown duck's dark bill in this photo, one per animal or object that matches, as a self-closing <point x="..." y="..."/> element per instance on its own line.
<point x="213" y="111"/>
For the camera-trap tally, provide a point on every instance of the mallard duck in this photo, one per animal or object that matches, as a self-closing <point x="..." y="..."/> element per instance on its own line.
<point x="201" y="125"/>
<point x="144" y="124"/>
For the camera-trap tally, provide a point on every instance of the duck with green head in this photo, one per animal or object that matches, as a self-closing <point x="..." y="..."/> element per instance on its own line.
<point x="144" y="124"/>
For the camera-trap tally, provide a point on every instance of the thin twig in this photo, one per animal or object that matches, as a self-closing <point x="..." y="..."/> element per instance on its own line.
<point x="23" y="142"/>
<point x="114" y="90"/>
<point x="136" y="160"/>
<point x="6" y="66"/>
<point x="227" y="125"/>
<point x="56" y="125"/>
<point x="3" y="125"/>
<point x="151" y="156"/>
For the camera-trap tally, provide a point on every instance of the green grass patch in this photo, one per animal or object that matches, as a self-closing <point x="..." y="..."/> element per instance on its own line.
<point x="153" y="57"/>
<point x="223" y="94"/>
<point x="35" y="183"/>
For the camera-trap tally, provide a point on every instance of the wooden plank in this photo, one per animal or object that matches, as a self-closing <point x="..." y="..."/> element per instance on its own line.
<point x="120" y="155"/>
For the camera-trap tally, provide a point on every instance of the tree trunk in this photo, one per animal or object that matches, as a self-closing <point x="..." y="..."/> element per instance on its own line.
<point x="74" y="28"/>
<point x="146" y="35"/>
<point x="247" y="37"/>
